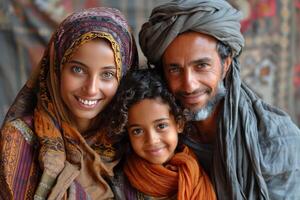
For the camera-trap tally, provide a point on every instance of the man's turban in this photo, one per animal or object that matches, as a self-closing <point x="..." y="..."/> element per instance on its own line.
<point x="213" y="17"/>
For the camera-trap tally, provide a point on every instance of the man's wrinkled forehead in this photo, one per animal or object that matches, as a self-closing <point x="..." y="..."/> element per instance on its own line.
<point x="187" y="44"/>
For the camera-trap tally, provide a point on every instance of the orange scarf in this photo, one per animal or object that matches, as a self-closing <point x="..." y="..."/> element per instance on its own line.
<point x="188" y="179"/>
<point x="65" y="156"/>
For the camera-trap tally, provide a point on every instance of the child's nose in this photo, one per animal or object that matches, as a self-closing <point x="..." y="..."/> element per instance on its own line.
<point x="152" y="137"/>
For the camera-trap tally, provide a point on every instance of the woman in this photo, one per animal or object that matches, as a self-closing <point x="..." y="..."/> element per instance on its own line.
<point x="52" y="144"/>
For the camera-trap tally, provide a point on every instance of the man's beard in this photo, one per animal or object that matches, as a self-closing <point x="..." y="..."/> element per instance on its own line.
<point x="203" y="113"/>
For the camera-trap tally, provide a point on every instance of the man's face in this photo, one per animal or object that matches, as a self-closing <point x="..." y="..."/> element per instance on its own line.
<point x="194" y="72"/>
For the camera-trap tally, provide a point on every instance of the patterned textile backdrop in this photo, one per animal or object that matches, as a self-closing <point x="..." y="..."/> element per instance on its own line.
<point x="270" y="62"/>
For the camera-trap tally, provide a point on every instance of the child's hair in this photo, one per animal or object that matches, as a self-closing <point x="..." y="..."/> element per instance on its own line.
<point x="138" y="85"/>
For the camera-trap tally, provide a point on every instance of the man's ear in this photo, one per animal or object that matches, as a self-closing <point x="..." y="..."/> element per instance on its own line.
<point x="180" y="125"/>
<point x="226" y="66"/>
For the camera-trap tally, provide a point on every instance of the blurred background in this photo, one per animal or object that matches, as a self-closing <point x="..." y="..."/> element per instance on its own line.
<point x="270" y="60"/>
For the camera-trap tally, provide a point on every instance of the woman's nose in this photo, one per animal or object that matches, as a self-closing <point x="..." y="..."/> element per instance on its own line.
<point x="92" y="86"/>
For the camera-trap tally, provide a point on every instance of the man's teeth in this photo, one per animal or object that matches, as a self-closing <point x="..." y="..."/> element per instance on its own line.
<point x="87" y="102"/>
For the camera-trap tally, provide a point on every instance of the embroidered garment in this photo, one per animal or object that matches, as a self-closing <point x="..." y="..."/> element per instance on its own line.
<point x="58" y="161"/>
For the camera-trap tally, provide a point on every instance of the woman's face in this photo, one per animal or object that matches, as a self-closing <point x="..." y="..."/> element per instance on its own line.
<point x="89" y="81"/>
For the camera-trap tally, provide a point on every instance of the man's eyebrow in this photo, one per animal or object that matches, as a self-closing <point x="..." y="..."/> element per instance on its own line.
<point x="200" y="60"/>
<point x="193" y="62"/>
<point x="173" y="65"/>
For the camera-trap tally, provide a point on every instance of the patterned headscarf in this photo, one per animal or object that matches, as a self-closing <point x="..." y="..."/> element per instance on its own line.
<point x="61" y="146"/>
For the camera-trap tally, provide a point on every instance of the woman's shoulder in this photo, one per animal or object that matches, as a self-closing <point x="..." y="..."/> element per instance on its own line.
<point x="18" y="151"/>
<point x="20" y="127"/>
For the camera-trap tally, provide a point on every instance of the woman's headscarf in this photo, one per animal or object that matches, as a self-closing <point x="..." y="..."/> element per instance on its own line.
<point x="64" y="153"/>
<point x="246" y="124"/>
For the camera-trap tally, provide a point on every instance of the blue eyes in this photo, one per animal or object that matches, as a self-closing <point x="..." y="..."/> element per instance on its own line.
<point x="106" y="74"/>
<point x="77" y="69"/>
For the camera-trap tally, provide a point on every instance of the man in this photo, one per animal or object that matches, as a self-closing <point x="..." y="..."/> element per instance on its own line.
<point x="250" y="149"/>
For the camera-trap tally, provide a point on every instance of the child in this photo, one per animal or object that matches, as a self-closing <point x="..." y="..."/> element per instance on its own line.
<point x="147" y="114"/>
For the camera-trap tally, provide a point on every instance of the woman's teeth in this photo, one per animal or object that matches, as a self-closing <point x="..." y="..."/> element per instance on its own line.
<point x="87" y="102"/>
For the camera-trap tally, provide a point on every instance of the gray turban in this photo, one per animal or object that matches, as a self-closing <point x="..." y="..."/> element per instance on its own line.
<point x="213" y="17"/>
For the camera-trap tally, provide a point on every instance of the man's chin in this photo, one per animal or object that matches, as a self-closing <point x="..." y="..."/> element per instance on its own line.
<point x="193" y="107"/>
<point x="196" y="113"/>
<point x="201" y="114"/>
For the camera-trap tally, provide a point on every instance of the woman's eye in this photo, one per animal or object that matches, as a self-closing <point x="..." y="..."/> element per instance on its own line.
<point x="77" y="69"/>
<point x="108" y="75"/>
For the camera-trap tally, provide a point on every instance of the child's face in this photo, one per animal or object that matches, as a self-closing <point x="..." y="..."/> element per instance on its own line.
<point x="153" y="131"/>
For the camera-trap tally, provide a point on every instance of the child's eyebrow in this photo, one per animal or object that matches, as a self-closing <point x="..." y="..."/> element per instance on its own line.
<point x="161" y="119"/>
<point x="132" y="125"/>
<point x="155" y="121"/>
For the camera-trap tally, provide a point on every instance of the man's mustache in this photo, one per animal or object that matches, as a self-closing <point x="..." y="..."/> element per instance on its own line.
<point x="194" y="93"/>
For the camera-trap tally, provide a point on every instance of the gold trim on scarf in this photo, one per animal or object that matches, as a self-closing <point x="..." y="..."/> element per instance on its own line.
<point x="25" y="130"/>
<point x="90" y="36"/>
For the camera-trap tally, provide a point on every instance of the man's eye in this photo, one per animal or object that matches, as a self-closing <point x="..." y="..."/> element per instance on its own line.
<point x="77" y="69"/>
<point x="202" y="65"/>
<point x="173" y="70"/>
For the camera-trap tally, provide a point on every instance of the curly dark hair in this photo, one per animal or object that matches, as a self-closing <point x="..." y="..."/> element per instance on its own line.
<point x="134" y="87"/>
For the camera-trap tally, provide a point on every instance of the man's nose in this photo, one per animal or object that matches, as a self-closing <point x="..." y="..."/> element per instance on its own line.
<point x="189" y="81"/>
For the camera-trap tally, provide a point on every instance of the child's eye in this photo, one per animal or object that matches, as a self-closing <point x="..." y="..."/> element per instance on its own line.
<point x="108" y="75"/>
<point x="137" y="131"/>
<point x="77" y="69"/>
<point x="162" y="126"/>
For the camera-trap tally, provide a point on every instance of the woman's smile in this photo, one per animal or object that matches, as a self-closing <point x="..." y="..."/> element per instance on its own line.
<point x="87" y="103"/>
